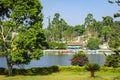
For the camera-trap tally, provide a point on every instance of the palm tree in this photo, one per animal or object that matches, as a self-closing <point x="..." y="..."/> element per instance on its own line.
<point x="92" y="68"/>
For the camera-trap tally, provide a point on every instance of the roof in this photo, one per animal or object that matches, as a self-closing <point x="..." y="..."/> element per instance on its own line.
<point x="74" y="43"/>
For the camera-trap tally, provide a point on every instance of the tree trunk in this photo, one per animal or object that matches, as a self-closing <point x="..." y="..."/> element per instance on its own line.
<point x="9" y="65"/>
<point x="92" y="74"/>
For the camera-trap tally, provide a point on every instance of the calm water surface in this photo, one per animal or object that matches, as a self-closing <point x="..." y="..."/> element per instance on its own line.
<point x="63" y="60"/>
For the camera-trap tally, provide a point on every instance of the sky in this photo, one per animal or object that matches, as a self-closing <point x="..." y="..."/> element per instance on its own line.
<point x="75" y="11"/>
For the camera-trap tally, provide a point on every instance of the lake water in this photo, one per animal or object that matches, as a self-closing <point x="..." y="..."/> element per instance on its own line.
<point x="63" y="60"/>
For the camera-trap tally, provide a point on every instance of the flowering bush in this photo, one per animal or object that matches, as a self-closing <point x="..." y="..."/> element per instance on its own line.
<point x="79" y="59"/>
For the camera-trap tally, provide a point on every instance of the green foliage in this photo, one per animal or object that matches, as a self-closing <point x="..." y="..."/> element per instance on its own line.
<point x="31" y="71"/>
<point x="61" y="46"/>
<point x="57" y="27"/>
<point x="116" y="15"/>
<point x="114" y="43"/>
<point x="28" y="45"/>
<point x="53" y="69"/>
<point x="106" y="32"/>
<point x="23" y="10"/>
<point x="2" y="71"/>
<point x="79" y="59"/>
<point x="115" y="38"/>
<point x="52" y="45"/>
<point x="108" y="21"/>
<point x="79" y="29"/>
<point x="92" y="67"/>
<point x="21" y="28"/>
<point x="71" y="68"/>
<point x="93" y="43"/>
<point x="56" y="45"/>
<point x="88" y="20"/>
<point x="110" y="69"/>
<point x="117" y="51"/>
<point x="5" y="6"/>
<point x="112" y="61"/>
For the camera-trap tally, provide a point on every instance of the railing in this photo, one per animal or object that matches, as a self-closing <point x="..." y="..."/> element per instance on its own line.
<point x="72" y="51"/>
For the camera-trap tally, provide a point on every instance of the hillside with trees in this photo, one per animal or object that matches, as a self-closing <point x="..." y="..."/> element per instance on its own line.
<point x="105" y="31"/>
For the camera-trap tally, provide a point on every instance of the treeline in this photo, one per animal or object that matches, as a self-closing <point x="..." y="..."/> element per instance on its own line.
<point x="92" y="32"/>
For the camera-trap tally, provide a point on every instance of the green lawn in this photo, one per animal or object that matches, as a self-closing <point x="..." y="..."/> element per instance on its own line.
<point x="66" y="76"/>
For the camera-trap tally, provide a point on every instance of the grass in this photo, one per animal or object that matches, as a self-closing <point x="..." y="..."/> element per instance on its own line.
<point x="66" y="76"/>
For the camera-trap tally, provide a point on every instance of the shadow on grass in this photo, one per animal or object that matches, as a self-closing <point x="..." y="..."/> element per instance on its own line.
<point x="100" y="78"/>
<point x="38" y="71"/>
<point x="117" y="78"/>
<point x="31" y="71"/>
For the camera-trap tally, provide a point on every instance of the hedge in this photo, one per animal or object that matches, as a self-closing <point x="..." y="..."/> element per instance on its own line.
<point x="31" y="71"/>
<point x="53" y="69"/>
<point x="72" y="68"/>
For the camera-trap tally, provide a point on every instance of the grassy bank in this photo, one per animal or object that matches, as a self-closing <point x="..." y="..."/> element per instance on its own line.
<point x="66" y="76"/>
<point x="61" y="73"/>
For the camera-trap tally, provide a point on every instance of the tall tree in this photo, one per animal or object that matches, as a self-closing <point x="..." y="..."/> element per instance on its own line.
<point x="19" y="44"/>
<point x="107" y="28"/>
<point x="62" y="27"/>
<point x="88" y="20"/>
<point x="107" y="32"/>
<point x="116" y="25"/>
<point x="79" y="29"/>
<point x="58" y="26"/>
<point x="69" y="33"/>
<point x="108" y="21"/>
<point x="115" y="39"/>
<point x="89" y="26"/>
<point x="118" y="2"/>
<point x="55" y="23"/>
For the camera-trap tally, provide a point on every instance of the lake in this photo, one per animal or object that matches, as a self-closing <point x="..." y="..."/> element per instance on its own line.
<point x="63" y="60"/>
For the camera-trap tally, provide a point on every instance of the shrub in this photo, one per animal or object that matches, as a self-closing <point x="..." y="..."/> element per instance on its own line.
<point x="92" y="68"/>
<point x="79" y="59"/>
<point x="110" y="69"/>
<point x="112" y="61"/>
<point x="71" y="68"/>
<point x="62" y="46"/>
<point x="93" y="43"/>
<point x="56" y="45"/>
<point x="2" y="71"/>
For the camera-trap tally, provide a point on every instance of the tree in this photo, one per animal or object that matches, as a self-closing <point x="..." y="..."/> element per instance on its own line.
<point x="90" y="26"/>
<point x="107" y="32"/>
<point x="107" y="28"/>
<point x="69" y="33"/>
<point x="92" y="68"/>
<point x="108" y="21"/>
<point x="112" y="61"/>
<point x="7" y="38"/>
<point x="88" y="20"/>
<point x="96" y="28"/>
<point x="79" y="29"/>
<point x="93" y="43"/>
<point x="19" y="44"/>
<point x="115" y="38"/>
<point x="118" y="2"/>
<point x="58" y="26"/>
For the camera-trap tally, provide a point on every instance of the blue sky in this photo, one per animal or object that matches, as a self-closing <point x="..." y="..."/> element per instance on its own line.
<point x="75" y="11"/>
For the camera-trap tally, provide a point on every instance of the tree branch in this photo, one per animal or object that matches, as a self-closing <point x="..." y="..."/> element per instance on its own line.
<point x="8" y="33"/>
<point x="3" y="37"/>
